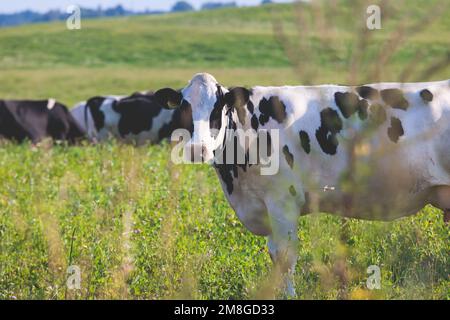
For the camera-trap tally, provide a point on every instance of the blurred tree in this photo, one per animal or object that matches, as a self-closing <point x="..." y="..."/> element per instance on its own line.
<point x="182" y="6"/>
<point x="266" y="2"/>
<point x="218" y="5"/>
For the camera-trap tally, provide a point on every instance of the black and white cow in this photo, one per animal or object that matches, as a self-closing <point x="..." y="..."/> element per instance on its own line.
<point x="36" y="120"/>
<point x="97" y="116"/>
<point x="378" y="152"/>
<point x="137" y="119"/>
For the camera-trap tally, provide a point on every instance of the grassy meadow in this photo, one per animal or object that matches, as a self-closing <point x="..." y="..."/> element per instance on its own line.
<point x="140" y="227"/>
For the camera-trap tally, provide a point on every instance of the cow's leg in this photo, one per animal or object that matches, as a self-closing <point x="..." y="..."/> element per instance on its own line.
<point x="441" y="199"/>
<point x="284" y="257"/>
<point x="283" y="242"/>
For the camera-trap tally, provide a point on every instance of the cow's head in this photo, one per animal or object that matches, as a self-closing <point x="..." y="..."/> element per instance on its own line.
<point x="212" y="113"/>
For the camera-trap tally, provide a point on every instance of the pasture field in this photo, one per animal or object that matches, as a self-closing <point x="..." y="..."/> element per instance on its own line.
<point x="140" y="227"/>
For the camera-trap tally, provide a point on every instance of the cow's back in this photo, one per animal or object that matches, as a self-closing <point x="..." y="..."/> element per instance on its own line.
<point x="378" y="144"/>
<point x="391" y="163"/>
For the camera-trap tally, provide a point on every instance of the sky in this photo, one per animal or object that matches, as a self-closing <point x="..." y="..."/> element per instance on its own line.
<point x="9" y="6"/>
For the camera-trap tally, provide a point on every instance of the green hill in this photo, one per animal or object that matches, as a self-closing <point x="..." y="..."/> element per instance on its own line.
<point x="222" y="38"/>
<point x="126" y="54"/>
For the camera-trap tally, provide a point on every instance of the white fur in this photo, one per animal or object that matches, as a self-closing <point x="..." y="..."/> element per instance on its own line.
<point x="78" y="113"/>
<point x="112" y="119"/>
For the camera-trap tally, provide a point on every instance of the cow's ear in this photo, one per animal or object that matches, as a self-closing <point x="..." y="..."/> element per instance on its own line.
<point x="168" y="98"/>
<point x="237" y="97"/>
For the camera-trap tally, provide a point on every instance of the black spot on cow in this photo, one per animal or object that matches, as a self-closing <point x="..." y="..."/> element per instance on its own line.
<point x="426" y="95"/>
<point x="136" y="114"/>
<point x="394" y="98"/>
<point x="215" y="119"/>
<point x="225" y="170"/>
<point x="349" y="103"/>
<point x="305" y="141"/>
<point x="331" y="125"/>
<point x="292" y="191"/>
<point x="94" y="105"/>
<point x="289" y="156"/>
<point x="367" y="92"/>
<point x="272" y="108"/>
<point x="255" y="122"/>
<point x="396" y="130"/>
<point x="228" y="170"/>
<point x="236" y="99"/>
<point x="251" y="107"/>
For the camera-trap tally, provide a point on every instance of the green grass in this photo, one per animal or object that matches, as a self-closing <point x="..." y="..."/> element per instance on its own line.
<point x="142" y="228"/>
<point x="186" y="240"/>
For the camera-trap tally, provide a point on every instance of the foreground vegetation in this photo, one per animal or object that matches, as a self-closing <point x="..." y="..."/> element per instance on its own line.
<point x="140" y="227"/>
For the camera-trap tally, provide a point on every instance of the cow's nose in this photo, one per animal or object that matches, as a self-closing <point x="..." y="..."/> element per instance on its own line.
<point x="197" y="153"/>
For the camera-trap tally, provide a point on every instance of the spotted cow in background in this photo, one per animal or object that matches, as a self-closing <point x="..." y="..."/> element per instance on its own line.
<point x="36" y="120"/>
<point x="378" y="152"/>
<point x="137" y="119"/>
<point x="97" y="116"/>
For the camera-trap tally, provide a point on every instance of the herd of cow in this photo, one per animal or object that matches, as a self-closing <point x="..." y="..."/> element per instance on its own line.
<point x="138" y="119"/>
<point x="401" y="131"/>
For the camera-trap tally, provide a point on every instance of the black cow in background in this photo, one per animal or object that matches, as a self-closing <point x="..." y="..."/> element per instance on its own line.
<point x="36" y="120"/>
